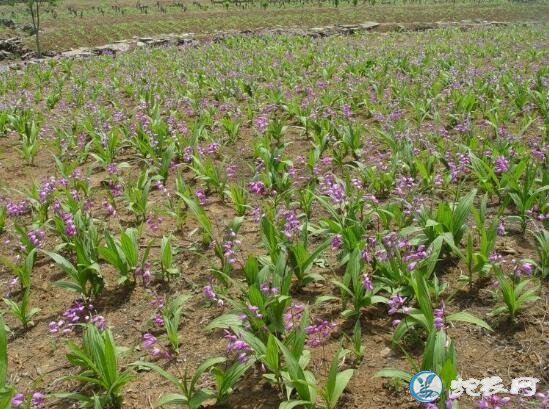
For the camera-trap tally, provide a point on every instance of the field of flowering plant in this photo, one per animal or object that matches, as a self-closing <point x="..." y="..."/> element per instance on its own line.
<point x="277" y="222"/>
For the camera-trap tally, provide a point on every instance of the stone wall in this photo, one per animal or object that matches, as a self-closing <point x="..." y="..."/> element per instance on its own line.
<point x="196" y="39"/>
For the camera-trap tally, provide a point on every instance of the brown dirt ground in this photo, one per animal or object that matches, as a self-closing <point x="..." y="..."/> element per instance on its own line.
<point x="37" y="359"/>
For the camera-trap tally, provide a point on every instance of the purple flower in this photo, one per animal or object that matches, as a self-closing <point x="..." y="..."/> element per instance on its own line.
<point x="318" y="332"/>
<point x="37" y="400"/>
<point x="346" y="110"/>
<point x="366" y="255"/>
<point x="149" y="340"/>
<point x="144" y="272"/>
<point x="112" y="169"/>
<point x="261" y="123"/>
<point x="55" y="326"/>
<point x="527" y="268"/>
<point x="209" y="293"/>
<point x="17" y="208"/>
<point x="267" y="289"/>
<point x="395" y="303"/>
<point x="495" y="258"/>
<point x="188" y="154"/>
<point x="153" y="222"/>
<point x="230" y="248"/>
<point x="449" y="404"/>
<point x="501" y="164"/>
<point x="492" y="402"/>
<point x="70" y="227"/>
<point x="464" y="126"/>
<point x="256" y="214"/>
<point x="36" y="237"/>
<point x="437" y="181"/>
<point x="404" y="184"/>
<point x="13" y="283"/>
<point x="159" y="302"/>
<point x="46" y="189"/>
<point x="331" y="188"/>
<point x="212" y="149"/>
<point x="109" y="209"/>
<point x="201" y="196"/>
<point x="78" y="313"/>
<point x="236" y="344"/>
<point x="438" y="313"/>
<point x="523" y="269"/>
<point x="257" y="187"/>
<point x="291" y="224"/>
<point x="116" y="189"/>
<point x="337" y="241"/>
<point x="544" y="399"/>
<point x="17" y="400"/>
<point x="501" y="228"/>
<point x="293" y="315"/>
<point x="255" y="311"/>
<point x="160" y="186"/>
<point x="158" y="320"/>
<point x="367" y="282"/>
<point x="99" y="322"/>
<point x="231" y="170"/>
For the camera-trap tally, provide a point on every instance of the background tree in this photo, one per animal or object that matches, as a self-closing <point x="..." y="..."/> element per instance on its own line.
<point x="34" y="7"/>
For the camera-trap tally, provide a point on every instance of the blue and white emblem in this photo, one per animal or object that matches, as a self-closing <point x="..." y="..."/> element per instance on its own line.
<point x="425" y="386"/>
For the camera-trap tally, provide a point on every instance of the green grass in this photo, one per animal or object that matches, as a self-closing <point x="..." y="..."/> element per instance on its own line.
<point x="67" y="31"/>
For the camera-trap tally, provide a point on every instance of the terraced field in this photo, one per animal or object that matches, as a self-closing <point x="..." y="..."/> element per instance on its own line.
<point x="290" y="221"/>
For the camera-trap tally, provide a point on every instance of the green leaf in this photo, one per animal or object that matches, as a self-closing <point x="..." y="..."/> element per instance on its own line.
<point x="128" y="241"/>
<point x="296" y="373"/>
<point x="461" y="212"/>
<point x="271" y="354"/>
<point x="393" y="373"/>
<point x="466" y="317"/>
<point x="205" y="366"/>
<point x="199" y="397"/>
<point x="336" y="382"/>
<point x="290" y="404"/>
<point x="62" y="262"/>
<point x="3" y="353"/>
<point x="172" y="399"/>
<point x="67" y="285"/>
<point x="225" y="321"/>
<point x="166" y="375"/>
<point x="342" y="380"/>
<point x="325" y="298"/>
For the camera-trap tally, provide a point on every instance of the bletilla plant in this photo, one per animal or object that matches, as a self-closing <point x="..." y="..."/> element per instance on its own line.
<point x="29" y="134"/>
<point x="273" y="175"/>
<point x="449" y="221"/>
<point x="86" y="278"/>
<point x="542" y="246"/>
<point x="516" y="291"/>
<point x="201" y="217"/>
<point x="166" y="258"/>
<point x="478" y="260"/>
<point x="21" y="309"/>
<point x="98" y="360"/>
<point x="3" y="216"/>
<point x="137" y="195"/>
<point x="6" y="390"/>
<point x="356" y="288"/>
<point x="188" y="394"/>
<point x="171" y="314"/>
<point x="123" y="253"/>
<point x="424" y="316"/>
